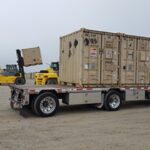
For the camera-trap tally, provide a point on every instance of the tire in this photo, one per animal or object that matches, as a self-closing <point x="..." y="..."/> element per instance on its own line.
<point x="148" y="95"/>
<point x="32" y="106"/>
<point x="20" y="81"/>
<point x="52" y="81"/>
<point x="112" y="100"/>
<point x="45" y="105"/>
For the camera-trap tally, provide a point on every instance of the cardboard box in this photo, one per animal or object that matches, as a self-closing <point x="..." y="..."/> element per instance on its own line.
<point x="32" y="56"/>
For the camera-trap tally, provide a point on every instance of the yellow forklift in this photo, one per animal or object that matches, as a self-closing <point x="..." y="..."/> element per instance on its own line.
<point x="13" y="75"/>
<point x="48" y="76"/>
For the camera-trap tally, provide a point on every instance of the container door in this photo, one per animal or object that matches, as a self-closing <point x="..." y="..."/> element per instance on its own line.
<point x="109" y="59"/>
<point x="64" y="61"/>
<point x="62" y="57"/>
<point x="69" y="61"/>
<point x="91" y="59"/>
<point x="128" y="60"/>
<point x="143" y="61"/>
<point x="76" y="58"/>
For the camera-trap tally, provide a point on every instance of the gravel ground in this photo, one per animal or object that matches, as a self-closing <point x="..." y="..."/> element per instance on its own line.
<point x="75" y="128"/>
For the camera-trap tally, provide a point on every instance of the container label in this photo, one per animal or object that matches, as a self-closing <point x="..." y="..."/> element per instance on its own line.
<point x="86" y="66"/>
<point x="93" y="52"/>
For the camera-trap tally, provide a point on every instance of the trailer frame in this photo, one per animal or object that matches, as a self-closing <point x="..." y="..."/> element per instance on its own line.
<point x="43" y="98"/>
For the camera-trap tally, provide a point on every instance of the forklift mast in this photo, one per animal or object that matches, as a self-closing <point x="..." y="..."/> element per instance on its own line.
<point x="20" y="62"/>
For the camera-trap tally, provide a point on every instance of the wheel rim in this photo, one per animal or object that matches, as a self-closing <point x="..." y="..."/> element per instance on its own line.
<point x="47" y="105"/>
<point x="114" y="101"/>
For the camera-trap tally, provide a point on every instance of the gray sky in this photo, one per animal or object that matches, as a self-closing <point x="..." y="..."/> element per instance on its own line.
<point x="30" y="23"/>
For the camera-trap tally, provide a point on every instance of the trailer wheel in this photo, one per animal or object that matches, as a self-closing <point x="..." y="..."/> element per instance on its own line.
<point x="34" y="110"/>
<point x="52" y="81"/>
<point x="112" y="101"/>
<point x="19" y="81"/>
<point x="46" y="104"/>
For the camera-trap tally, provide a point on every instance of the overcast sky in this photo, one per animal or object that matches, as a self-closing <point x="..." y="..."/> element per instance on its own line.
<point x="30" y="23"/>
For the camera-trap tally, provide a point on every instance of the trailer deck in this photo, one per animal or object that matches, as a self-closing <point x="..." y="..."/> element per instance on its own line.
<point x="44" y="100"/>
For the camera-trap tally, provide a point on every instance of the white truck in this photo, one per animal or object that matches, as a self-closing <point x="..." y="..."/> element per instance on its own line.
<point x="44" y="100"/>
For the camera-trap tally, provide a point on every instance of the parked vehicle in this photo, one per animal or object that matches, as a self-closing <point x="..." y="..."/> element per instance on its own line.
<point x="44" y="100"/>
<point x="11" y="75"/>
<point x="98" y="68"/>
<point x="48" y="76"/>
<point x="14" y="74"/>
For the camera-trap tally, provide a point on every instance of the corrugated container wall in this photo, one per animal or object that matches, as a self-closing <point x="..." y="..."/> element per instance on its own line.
<point x="95" y="58"/>
<point x="143" y="61"/>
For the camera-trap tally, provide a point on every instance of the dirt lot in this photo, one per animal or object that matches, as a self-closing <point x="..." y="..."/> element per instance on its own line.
<point x="75" y="128"/>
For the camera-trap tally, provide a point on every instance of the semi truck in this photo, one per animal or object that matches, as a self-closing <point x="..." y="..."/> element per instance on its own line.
<point x="101" y="69"/>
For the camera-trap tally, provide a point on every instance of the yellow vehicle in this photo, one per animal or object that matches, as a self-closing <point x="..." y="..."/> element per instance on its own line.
<point x="48" y="76"/>
<point x="14" y="74"/>
<point x="11" y="75"/>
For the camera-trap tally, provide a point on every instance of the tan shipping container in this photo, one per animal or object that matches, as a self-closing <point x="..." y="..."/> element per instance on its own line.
<point x="96" y="58"/>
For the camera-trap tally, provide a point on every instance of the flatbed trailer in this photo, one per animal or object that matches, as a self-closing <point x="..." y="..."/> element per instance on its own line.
<point x="44" y="100"/>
